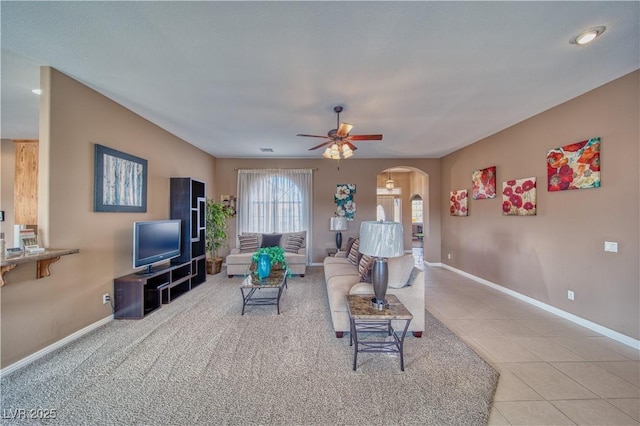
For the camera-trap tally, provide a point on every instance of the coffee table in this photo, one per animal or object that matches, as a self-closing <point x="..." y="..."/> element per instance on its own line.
<point x="367" y="318"/>
<point x="277" y="280"/>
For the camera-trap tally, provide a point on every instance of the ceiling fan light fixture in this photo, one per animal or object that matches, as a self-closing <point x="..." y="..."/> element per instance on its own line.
<point x="587" y="36"/>
<point x="338" y="144"/>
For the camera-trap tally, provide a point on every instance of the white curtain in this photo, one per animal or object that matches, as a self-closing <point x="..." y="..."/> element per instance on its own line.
<point x="275" y="200"/>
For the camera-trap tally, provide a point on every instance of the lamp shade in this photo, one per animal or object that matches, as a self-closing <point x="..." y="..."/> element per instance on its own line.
<point x="381" y="239"/>
<point x="338" y="223"/>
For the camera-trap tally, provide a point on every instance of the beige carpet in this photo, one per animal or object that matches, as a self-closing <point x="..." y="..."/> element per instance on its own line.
<point x="197" y="361"/>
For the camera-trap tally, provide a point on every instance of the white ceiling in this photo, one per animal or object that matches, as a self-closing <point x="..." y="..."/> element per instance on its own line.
<point x="232" y="77"/>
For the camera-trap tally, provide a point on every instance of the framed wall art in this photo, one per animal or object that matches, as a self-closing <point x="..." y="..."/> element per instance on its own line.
<point x="484" y="183"/>
<point x="345" y="205"/>
<point x="458" y="203"/>
<point x="519" y="197"/>
<point x="574" y="166"/>
<point x="120" y="181"/>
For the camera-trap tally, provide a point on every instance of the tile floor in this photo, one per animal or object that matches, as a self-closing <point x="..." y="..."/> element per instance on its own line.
<point x="552" y="371"/>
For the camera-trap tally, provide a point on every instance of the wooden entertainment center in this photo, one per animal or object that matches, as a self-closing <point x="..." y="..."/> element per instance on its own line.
<point x="137" y="294"/>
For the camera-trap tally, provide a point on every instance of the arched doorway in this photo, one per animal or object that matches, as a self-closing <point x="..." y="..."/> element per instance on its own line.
<point x="402" y="196"/>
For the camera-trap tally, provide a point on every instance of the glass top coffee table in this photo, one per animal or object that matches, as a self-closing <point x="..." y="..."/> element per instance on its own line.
<point x="275" y="282"/>
<point x="367" y="318"/>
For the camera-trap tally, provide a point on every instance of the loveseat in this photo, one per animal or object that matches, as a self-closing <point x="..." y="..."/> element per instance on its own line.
<point x="344" y="272"/>
<point x="293" y="243"/>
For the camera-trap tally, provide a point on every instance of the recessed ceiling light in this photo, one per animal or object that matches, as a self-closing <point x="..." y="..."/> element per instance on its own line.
<point x="587" y="36"/>
<point x="37" y="91"/>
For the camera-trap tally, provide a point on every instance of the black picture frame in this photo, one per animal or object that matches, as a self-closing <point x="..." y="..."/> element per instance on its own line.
<point x="120" y="181"/>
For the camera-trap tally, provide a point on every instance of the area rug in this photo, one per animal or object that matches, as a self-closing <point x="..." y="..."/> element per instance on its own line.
<point x="198" y="361"/>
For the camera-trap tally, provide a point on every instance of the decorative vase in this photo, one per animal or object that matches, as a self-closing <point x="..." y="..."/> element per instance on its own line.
<point x="264" y="266"/>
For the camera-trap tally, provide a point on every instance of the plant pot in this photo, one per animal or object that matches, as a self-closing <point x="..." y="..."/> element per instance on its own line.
<point x="214" y="266"/>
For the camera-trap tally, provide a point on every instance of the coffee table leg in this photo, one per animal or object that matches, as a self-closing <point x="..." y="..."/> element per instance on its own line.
<point x="401" y="344"/>
<point x="353" y="338"/>
<point x="279" y="294"/>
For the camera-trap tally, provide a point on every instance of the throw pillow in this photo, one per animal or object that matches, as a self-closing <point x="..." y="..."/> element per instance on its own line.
<point x="271" y="240"/>
<point x="353" y="252"/>
<point x="364" y="268"/>
<point x="347" y="248"/>
<point x="248" y="243"/>
<point x="294" y="243"/>
<point x="399" y="270"/>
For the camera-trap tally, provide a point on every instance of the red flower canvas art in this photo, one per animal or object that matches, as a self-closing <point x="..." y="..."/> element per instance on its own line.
<point x="458" y="203"/>
<point x="519" y="197"/>
<point x="574" y="166"/>
<point x="484" y="183"/>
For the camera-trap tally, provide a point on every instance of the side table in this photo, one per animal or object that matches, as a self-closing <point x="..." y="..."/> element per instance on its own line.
<point x="364" y="317"/>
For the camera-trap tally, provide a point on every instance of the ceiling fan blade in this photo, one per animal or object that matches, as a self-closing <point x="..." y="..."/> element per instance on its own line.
<point x="365" y="137"/>
<point x="344" y="129"/>
<point x="320" y="145"/>
<point x="311" y="136"/>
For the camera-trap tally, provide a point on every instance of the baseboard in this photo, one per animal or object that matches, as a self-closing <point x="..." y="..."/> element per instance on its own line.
<point x="60" y="343"/>
<point x="629" y="341"/>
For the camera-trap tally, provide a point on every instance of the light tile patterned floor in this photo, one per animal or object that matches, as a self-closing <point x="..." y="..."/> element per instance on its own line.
<point x="552" y="371"/>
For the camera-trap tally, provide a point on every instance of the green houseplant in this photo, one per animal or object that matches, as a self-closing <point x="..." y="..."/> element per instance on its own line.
<point x="276" y="255"/>
<point x="216" y="229"/>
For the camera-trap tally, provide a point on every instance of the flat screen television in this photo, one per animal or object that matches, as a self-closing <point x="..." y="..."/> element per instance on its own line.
<point x="155" y="241"/>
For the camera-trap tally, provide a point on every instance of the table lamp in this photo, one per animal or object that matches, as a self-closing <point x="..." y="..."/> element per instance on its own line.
<point x="381" y="240"/>
<point x="338" y="223"/>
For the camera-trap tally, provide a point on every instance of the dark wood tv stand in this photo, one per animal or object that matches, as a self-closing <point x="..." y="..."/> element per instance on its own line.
<point x="139" y="294"/>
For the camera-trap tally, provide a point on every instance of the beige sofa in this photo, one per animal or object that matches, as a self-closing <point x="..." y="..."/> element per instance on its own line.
<point x="294" y="243"/>
<point x="342" y="277"/>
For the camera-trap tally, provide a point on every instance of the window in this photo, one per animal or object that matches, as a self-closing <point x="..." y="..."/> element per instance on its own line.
<point x="416" y="209"/>
<point x="275" y="201"/>
<point x="275" y="205"/>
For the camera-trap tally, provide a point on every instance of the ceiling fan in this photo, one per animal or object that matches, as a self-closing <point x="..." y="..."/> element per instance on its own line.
<point x="339" y="140"/>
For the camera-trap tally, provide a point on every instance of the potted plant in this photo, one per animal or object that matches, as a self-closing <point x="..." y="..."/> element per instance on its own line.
<point x="275" y="255"/>
<point x="216" y="229"/>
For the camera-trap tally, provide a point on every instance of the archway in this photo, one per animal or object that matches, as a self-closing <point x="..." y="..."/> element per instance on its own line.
<point x="397" y="188"/>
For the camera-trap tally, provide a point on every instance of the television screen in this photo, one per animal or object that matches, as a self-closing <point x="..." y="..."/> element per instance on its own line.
<point x="154" y="242"/>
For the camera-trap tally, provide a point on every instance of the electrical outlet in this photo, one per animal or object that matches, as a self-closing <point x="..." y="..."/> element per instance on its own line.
<point x="571" y="295"/>
<point x="106" y="298"/>
<point x="611" y="246"/>
<point x="449" y="256"/>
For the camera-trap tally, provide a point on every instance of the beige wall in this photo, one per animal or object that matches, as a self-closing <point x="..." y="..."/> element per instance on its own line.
<point x="361" y="172"/>
<point x="561" y="248"/>
<point x="37" y="313"/>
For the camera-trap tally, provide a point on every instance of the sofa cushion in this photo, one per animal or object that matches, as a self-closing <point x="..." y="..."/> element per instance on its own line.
<point x="271" y="240"/>
<point x="362" y="288"/>
<point x="248" y="243"/>
<point x="354" y="252"/>
<point x="364" y="268"/>
<point x="293" y="242"/>
<point x="343" y="270"/>
<point x="399" y="270"/>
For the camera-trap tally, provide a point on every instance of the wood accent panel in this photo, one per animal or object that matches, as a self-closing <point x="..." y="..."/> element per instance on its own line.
<point x="25" y="198"/>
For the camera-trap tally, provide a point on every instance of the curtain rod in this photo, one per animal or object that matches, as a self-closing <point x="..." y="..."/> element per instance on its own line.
<point x="279" y="168"/>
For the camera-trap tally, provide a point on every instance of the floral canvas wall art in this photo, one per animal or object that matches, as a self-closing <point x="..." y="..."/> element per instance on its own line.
<point x="574" y="166"/>
<point x="459" y="203"/>
<point x="484" y="183"/>
<point x="345" y="206"/>
<point x="519" y="197"/>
